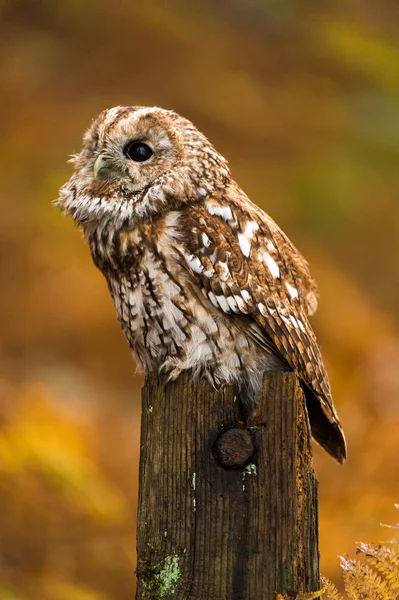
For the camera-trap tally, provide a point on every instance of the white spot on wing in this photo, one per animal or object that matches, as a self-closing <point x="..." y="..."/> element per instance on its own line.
<point x="232" y="303"/>
<point x="219" y="210"/>
<point x="250" y="228"/>
<point x="271" y="264"/>
<point x="209" y="272"/>
<point x="245" y="244"/>
<point x="212" y="298"/>
<point x="293" y="321"/>
<point x="205" y="240"/>
<point x="241" y="304"/>
<point x="244" y="239"/>
<point x="293" y="292"/>
<point x="301" y="326"/>
<point x="224" y="272"/>
<point x="223" y="303"/>
<point x="194" y="263"/>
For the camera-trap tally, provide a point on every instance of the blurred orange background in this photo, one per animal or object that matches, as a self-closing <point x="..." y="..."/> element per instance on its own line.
<point x="302" y="97"/>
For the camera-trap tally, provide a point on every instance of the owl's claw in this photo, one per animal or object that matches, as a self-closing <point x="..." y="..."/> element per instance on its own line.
<point x="169" y="371"/>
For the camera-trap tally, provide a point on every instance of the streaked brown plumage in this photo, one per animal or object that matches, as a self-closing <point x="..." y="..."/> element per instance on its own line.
<point x="201" y="278"/>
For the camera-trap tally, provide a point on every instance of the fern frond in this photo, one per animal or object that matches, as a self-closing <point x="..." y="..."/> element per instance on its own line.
<point x="350" y="583"/>
<point x="385" y="560"/>
<point x="362" y="582"/>
<point x="331" y="590"/>
<point x="376" y="578"/>
<point x="391" y="542"/>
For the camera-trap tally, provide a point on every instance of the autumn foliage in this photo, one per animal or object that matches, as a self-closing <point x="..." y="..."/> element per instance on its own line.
<point x="302" y="98"/>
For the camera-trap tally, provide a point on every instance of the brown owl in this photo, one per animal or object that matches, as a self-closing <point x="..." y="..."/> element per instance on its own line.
<point x="201" y="278"/>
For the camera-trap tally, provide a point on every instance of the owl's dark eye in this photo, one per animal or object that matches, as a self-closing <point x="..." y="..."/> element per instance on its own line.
<point x="138" y="151"/>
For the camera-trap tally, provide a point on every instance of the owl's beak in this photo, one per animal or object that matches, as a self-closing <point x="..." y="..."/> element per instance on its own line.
<point x="102" y="162"/>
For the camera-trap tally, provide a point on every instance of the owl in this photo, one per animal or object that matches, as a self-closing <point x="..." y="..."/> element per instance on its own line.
<point x="201" y="278"/>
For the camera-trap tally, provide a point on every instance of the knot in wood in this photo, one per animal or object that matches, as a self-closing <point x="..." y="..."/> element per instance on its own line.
<point x="235" y="448"/>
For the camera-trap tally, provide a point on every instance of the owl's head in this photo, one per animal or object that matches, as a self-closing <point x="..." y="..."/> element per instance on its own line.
<point x="137" y="162"/>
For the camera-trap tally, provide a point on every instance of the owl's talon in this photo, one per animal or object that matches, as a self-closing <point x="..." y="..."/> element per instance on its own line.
<point x="170" y="372"/>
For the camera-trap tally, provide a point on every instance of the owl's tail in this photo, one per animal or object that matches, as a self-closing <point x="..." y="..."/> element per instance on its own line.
<point x="329" y="435"/>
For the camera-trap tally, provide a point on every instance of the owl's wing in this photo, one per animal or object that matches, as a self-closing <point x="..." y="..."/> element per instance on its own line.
<point x="247" y="267"/>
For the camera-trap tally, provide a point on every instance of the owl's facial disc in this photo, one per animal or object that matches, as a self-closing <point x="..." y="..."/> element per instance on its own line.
<point x="137" y="162"/>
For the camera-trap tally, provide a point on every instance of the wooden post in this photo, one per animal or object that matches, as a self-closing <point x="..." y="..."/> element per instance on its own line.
<point x="227" y="509"/>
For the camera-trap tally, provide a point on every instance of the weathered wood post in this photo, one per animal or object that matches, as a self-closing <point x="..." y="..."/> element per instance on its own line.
<point x="227" y="509"/>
